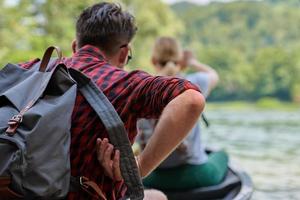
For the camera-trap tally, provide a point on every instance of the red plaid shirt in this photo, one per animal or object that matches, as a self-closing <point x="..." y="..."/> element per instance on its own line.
<point x="134" y="95"/>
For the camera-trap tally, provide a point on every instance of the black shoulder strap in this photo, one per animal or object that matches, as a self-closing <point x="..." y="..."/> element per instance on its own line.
<point x="116" y="130"/>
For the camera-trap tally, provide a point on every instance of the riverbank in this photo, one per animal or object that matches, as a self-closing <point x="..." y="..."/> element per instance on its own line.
<point x="263" y="104"/>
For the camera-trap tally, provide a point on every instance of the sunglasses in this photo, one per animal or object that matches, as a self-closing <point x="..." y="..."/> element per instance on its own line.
<point x="129" y="57"/>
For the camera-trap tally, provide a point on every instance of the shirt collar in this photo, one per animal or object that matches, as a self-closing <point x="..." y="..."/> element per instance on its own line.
<point x="89" y="51"/>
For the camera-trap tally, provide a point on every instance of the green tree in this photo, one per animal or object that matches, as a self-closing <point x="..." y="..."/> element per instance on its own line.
<point x="44" y="23"/>
<point x="258" y="40"/>
<point x="273" y="76"/>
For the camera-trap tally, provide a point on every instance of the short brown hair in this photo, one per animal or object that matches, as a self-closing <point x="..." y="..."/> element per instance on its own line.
<point x="106" y="26"/>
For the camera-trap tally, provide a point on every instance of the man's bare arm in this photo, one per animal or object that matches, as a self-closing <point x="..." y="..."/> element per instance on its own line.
<point x="177" y="119"/>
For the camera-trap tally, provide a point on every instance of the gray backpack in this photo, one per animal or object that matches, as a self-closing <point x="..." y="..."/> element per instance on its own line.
<point x="35" y="119"/>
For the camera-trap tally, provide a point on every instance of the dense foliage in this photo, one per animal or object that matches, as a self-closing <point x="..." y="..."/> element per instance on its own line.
<point x="32" y="25"/>
<point x="255" y="46"/>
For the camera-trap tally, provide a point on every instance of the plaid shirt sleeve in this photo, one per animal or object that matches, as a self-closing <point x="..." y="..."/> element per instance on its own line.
<point x="153" y="93"/>
<point x="29" y="64"/>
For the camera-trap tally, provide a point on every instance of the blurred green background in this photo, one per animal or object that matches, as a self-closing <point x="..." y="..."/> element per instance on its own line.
<point x="254" y="45"/>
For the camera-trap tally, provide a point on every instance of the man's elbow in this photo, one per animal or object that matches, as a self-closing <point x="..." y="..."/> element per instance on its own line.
<point x="196" y="101"/>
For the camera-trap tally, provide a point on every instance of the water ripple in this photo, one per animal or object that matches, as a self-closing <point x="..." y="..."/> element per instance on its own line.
<point x="266" y="143"/>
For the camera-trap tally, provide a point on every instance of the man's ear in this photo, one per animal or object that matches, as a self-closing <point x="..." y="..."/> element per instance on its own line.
<point x="74" y="46"/>
<point x="123" y="56"/>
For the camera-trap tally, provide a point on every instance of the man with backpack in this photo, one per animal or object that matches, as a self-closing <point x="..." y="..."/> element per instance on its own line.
<point x="101" y="49"/>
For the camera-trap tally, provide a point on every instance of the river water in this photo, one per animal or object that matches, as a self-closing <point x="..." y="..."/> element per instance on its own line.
<point x="266" y="143"/>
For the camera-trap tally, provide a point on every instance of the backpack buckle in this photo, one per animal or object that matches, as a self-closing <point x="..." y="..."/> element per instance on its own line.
<point x="91" y="188"/>
<point x="13" y="124"/>
<point x="15" y="119"/>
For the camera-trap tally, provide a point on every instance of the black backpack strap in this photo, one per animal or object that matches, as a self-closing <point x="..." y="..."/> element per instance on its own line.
<point x="116" y="130"/>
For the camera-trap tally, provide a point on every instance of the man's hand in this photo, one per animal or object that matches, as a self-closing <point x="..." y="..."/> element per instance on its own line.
<point x="109" y="159"/>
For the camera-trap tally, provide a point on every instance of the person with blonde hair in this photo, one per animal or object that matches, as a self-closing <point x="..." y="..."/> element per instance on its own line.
<point x="189" y="166"/>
